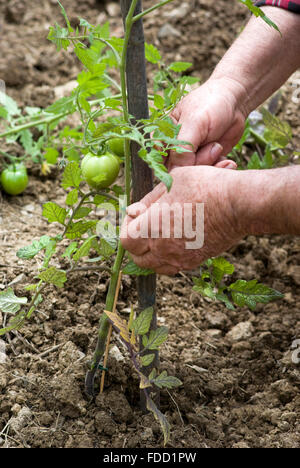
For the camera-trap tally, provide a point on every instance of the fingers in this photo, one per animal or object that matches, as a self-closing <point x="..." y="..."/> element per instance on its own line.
<point x="136" y="209"/>
<point x="180" y="160"/>
<point x="189" y="132"/>
<point x="130" y="236"/>
<point x="226" y="164"/>
<point x="209" y="154"/>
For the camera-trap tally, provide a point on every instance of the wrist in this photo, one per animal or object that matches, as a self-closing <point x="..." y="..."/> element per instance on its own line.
<point x="266" y="201"/>
<point x="236" y="91"/>
<point x="249" y="201"/>
<point x="260" y="69"/>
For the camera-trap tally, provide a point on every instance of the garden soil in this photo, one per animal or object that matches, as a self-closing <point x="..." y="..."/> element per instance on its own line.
<point x="240" y="386"/>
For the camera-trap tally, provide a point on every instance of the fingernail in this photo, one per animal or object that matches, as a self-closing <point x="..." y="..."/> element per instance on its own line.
<point x="231" y="165"/>
<point x="136" y="209"/>
<point x="216" y="150"/>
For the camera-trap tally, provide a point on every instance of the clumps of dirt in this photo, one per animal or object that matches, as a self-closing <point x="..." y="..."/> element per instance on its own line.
<point x="240" y="377"/>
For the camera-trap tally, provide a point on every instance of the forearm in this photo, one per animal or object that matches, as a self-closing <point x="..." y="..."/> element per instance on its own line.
<point x="267" y="202"/>
<point x="261" y="60"/>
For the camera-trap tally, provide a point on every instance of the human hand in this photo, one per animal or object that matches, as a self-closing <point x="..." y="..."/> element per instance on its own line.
<point x="167" y="252"/>
<point x="212" y="122"/>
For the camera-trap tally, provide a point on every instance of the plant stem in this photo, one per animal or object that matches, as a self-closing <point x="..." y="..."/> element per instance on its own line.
<point x="87" y="195"/>
<point x="104" y="322"/>
<point x="149" y="10"/>
<point x="45" y="120"/>
<point x="89" y="268"/>
<point x="78" y="38"/>
<point x="110" y="332"/>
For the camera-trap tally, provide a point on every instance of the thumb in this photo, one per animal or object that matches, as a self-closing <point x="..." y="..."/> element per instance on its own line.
<point x="137" y="209"/>
<point x="191" y="133"/>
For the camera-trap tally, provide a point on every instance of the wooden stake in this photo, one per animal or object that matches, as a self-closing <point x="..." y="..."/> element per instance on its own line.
<point x="142" y="176"/>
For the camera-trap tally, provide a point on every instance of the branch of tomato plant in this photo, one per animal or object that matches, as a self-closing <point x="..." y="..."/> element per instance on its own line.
<point x="84" y="37"/>
<point x="12" y="159"/>
<point x="149" y="10"/>
<point x="89" y="268"/>
<point x="262" y="141"/>
<point x="46" y="120"/>
<point x="104" y="322"/>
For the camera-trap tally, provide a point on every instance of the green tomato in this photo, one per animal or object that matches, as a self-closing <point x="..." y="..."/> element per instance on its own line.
<point x="116" y="146"/>
<point x="100" y="171"/>
<point x="14" y="179"/>
<point x="86" y="158"/>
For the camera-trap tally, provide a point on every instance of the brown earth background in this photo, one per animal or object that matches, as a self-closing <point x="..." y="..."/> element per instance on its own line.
<point x="239" y="389"/>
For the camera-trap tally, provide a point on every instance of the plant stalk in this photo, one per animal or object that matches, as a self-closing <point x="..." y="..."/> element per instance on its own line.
<point x="104" y="322"/>
<point x="149" y="10"/>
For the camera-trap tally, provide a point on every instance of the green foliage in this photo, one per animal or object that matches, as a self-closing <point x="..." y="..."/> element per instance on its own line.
<point x="277" y="131"/>
<point x="250" y="293"/>
<point x="270" y="137"/>
<point x="32" y="250"/>
<point x="156" y="338"/>
<point x="54" y="213"/>
<point x="129" y="332"/>
<point x="141" y="324"/>
<point x="164" y="380"/>
<point x="259" y="13"/>
<point x="132" y="269"/>
<point x="10" y="303"/>
<point x="53" y="276"/>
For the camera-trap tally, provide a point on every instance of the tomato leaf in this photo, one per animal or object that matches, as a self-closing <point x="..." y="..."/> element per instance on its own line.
<point x="152" y="53"/>
<point x="54" y="213"/>
<point x="70" y="250"/>
<point x="76" y="230"/>
<point x="147" y="359"/>
<point x="30" y="251"/>
<point x="72" y="197"/>
<point x="179" y="67"/>
<point x="53" y="276"/>
<point x="10" y="303"/>
<point x="83" y="250"/>
<point x="71" y="175"/>
<point x="160" y="418"/>
<point x="156" y="338"/>
<point x="250" y="293"/>
<point x="132" y="269"/>
<point x="142" y="323"/>
<point x="167" y="381"/>
<point x="51" y="155"/>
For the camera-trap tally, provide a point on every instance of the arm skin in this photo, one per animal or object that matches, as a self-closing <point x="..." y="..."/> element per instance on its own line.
<point x="255" y="66"/>
<point x="268" y="201"/>
<point x="260" y="60"/>
<point x="237" y="203"/>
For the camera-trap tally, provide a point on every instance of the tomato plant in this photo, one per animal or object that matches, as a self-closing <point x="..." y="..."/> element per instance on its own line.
<point x="100" y="171"/>
<point x="14" y="179"/>
<point x="93" y="244"/>
<point x="116" y="146"/>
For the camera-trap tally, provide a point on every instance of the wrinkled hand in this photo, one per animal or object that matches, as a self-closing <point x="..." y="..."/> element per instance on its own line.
<point x="191" y="186"/>
<point x="211" y="120"/>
